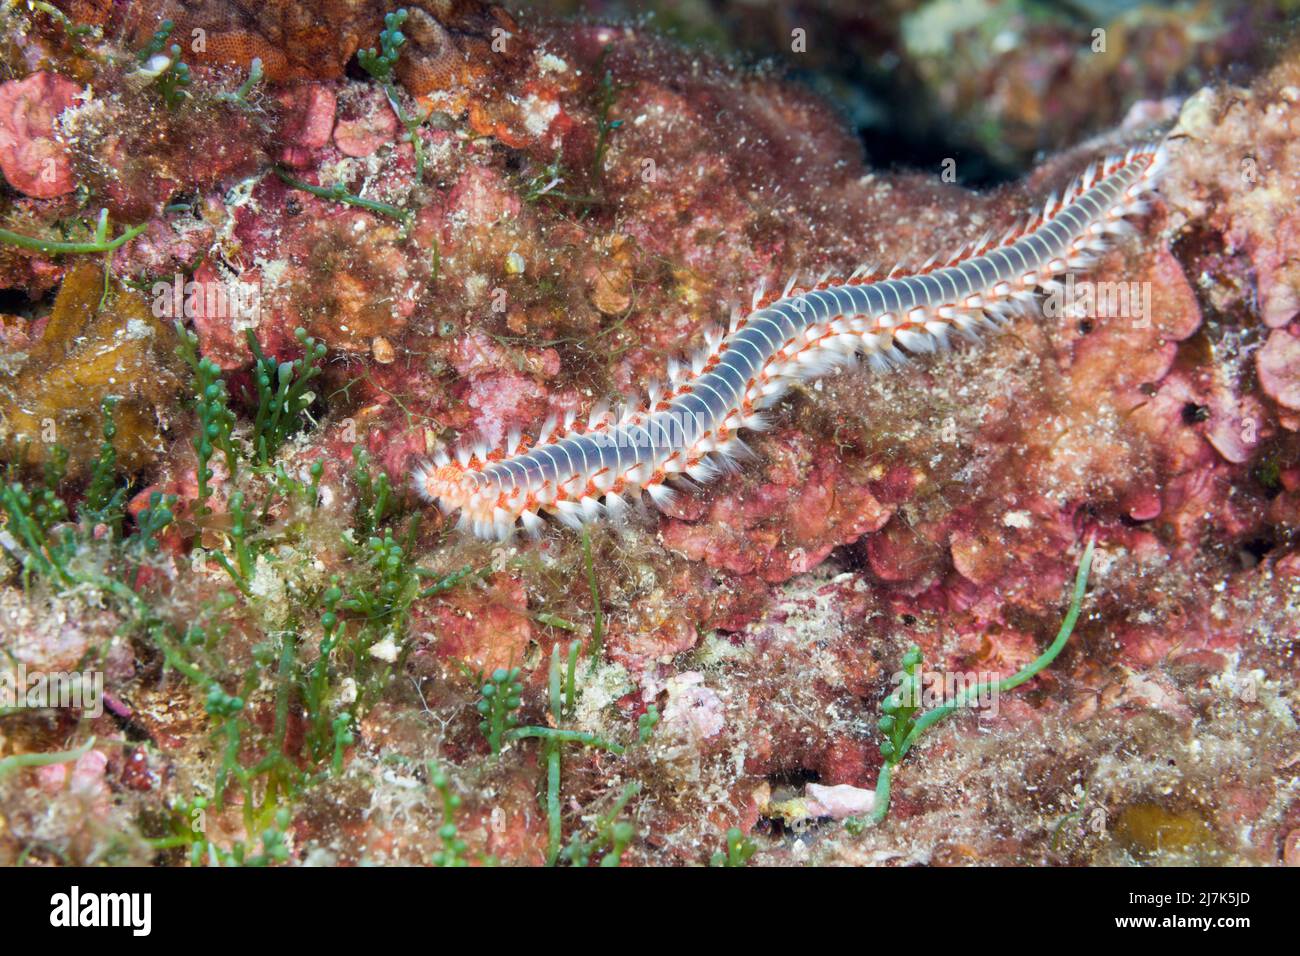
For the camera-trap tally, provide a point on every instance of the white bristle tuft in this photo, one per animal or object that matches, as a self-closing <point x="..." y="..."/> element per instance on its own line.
<point x="591" y="509"/>
<point x="661" y="495"/>
<point x="703" y="471"/>
<point x="533" y="525"/>
<point x="569" y="514"/>
<point x="615" y="507"/>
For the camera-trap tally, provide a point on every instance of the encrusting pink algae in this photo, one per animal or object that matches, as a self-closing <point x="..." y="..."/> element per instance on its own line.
<point x="326" y="272"/>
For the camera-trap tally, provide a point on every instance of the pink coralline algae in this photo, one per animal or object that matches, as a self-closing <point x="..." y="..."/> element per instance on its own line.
<point x="785" y="521"/>
<point x="308" y="122"/>
<point x="86" y="781"/>
<point x="365" y="123"/>
<point x="31" y="156"/>
<point x="483" y="630"/>
<point x="1279" y="370"/>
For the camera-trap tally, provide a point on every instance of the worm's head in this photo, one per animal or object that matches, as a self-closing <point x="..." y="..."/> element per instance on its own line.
<point x="453" y="486"/>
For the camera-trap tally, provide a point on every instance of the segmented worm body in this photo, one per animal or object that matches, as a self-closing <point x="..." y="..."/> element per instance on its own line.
<point x="578" y="472"/>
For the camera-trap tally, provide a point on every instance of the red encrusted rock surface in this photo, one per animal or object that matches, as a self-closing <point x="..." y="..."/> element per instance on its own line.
<point x="944" y="505"/>
<point x="33" y="160"/>
<point x="799" y="506"/>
